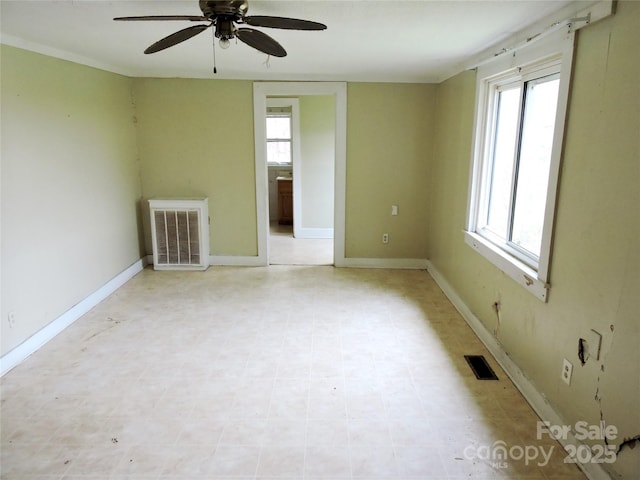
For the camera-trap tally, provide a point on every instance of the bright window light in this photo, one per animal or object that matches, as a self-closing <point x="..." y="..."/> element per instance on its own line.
<point x="279" y="138"/>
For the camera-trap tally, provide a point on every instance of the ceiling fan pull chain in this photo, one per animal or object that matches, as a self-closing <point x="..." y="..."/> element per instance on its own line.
<point x="215" y="70"/>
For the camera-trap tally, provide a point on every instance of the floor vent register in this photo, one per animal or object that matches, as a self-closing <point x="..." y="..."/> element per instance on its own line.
<point x="480" y="367"/>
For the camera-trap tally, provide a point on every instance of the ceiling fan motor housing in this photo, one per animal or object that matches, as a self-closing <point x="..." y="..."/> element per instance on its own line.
<point x="232" y="8"/>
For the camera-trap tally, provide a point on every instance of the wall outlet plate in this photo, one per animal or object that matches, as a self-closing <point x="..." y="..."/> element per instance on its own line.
<point x="567" y="370"/>
<point x="385" y="238"/>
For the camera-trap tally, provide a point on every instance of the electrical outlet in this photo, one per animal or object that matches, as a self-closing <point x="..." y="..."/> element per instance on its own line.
<point x="567" y="370"/>
<point x="385" y="238"/>
<point x="11" y="319"/>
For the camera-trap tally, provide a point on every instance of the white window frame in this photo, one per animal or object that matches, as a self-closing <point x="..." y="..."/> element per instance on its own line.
<point x="294" y="104"/>
<point x="548" y="54"/>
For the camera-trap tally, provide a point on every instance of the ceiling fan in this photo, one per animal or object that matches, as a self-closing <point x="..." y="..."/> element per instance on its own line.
<point x="224" y="15"/>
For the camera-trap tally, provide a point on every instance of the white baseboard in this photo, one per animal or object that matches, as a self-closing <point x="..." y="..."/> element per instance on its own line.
<point x="247" y="261"/>
<point x="227" y="261"/>
<point x="235" y="261"/>
<point x="538" y="402"/>
<point x="325" y="233"/>
<point x="37" y="340"/>
<point x="402" y="263"/>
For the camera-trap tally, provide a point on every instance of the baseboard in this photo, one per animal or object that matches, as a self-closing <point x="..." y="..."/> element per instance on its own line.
<point x="228" y="261"/>
<point x="538" y="402"/>
<point x="235" y="261"/>
<point x="401" y="263"/>
<point x="250" y="261"/>
<point x="40" y="338"/>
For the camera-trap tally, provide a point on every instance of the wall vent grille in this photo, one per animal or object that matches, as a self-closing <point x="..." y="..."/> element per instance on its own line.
<point x="180" y="234"/>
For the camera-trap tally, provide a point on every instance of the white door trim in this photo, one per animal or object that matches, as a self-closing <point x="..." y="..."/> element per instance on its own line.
<point x="261" y="90"/>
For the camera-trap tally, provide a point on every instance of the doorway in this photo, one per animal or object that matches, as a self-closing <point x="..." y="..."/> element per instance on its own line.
<point x="271" y="244"/>
<point x="301" y="165"/>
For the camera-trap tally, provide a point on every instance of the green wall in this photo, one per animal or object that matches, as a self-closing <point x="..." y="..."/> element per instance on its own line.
<point x="70" y="187"/>
<point x="195" y="138"/>
<point x="389" y="145"/>
<point x="317" y="160"/>
<point x="595" y="269"/>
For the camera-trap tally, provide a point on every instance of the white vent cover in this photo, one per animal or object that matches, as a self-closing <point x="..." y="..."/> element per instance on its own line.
<point x="180" y="233"/>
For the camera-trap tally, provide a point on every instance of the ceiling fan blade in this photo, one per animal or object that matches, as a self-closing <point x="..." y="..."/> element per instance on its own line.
<point x="190" y="18"/>
<point x="261" y="41"/>
<point x="283" y="22"/>
<point x="176" y="38"/>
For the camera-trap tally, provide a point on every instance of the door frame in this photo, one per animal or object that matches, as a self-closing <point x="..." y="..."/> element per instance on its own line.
<point x="261" y="90"/>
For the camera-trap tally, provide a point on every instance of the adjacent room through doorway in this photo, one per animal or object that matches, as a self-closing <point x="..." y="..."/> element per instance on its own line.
<point x="300" y="157"/>
<point x="285" y="249"/>
<point x="304" y="221"/>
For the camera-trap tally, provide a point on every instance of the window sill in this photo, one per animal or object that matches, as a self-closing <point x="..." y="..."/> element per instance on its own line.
<point x="521" y="273"/>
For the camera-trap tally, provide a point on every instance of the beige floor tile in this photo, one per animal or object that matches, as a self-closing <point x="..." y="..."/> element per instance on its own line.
<point x="200" y="431"/>
<point x="413" y="432"/>
<point x="373" y="462"/>
<point x="96" y="460"/>
<point x="366" y="405"/>
<point x="282" y="432"/>
<point x="279" y="373"/>
<point x="327" y="462"/>
<point x="327" y="432"/>
<point x="422" y="462"/>
<point x="369" y="432"/>
<point x="243" y="432"/>
<point x="281" y="461"/>
<point x="237" y="461"/>
<point x="186" y="461"/>
<point x="287" y="250"/>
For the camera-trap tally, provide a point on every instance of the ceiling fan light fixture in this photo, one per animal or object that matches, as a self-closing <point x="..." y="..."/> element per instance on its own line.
<point x="224" y="43"/>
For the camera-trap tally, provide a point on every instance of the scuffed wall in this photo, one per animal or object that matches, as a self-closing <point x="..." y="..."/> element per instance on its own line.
<point x="70" y="187"/>
<point x="595" y="269"/>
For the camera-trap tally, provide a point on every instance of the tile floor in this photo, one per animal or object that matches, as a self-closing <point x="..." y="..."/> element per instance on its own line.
<point x="266" y="373"/>
<point x="284" y="249"/>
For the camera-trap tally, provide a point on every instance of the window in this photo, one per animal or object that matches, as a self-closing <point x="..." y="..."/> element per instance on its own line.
<point x="520" y="110"/>
<point x="519" y="155"/>
<point x="279" y="135"/>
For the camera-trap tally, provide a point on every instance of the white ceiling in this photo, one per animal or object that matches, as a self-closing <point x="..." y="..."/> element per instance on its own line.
<point x="366" y="40"/>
